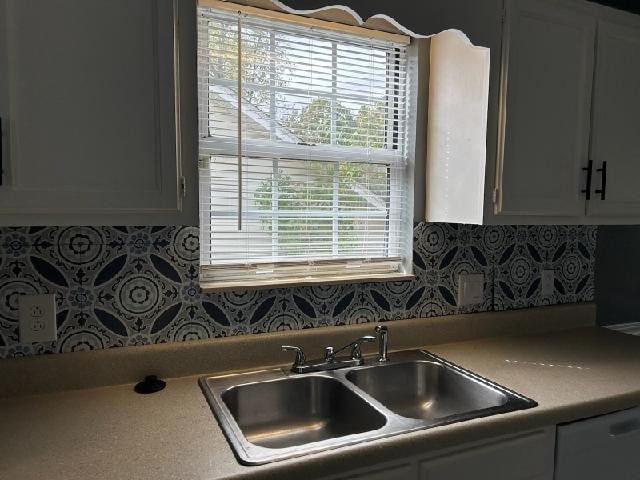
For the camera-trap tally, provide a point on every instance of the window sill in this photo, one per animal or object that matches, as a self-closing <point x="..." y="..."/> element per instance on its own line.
<point x="213" y="287"/>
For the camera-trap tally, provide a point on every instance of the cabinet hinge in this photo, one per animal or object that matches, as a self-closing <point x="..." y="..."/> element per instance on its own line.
<point x="496" y="195"/>
<point x="182" y="182"/>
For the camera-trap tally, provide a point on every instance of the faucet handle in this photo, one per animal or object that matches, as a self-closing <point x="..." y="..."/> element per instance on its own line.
<point x="300" y="358"/>
<point x="329" y="354"/>
<point x="356" y="353"/>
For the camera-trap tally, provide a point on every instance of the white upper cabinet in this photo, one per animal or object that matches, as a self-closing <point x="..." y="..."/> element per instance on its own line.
<point x="564" y="96"/>
<point x="615" y="138"/>
<point x="87" y="101"/>
<point x="546" y="96"/>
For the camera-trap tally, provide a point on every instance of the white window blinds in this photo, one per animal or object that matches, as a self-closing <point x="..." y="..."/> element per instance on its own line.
<point x="303" y="157"/>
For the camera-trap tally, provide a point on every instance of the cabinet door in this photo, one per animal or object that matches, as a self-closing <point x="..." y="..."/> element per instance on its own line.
<point x="601" y="447"/>
<point x="545" y="108"/>
<point x="616" y="113"/>
<point x="526" y="457"/>
<point x="88" y="111"/>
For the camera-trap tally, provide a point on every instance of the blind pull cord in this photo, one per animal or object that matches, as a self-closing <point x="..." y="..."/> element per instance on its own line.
<point x="240" y="121"/>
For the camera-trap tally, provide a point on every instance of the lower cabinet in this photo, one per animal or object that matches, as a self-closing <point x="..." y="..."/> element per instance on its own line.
<point x="604" y="447"/>
<point x="526" y="456"/>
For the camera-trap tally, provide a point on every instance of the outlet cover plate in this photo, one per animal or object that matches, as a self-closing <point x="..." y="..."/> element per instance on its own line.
<point x="37" y="318"/>
<point x="470" y="289"/>
<point x="547" y="278"/>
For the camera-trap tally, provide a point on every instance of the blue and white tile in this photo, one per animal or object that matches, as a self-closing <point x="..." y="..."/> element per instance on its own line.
<point x="443" y="252"/>
<point x="567" y="250"/>
<point x="87" y="334"/>
<point x="137" y="298"/>
<point x="42" y="268"/>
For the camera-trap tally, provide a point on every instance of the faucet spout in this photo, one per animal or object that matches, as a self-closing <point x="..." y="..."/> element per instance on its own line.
<point x="356" y="353"/>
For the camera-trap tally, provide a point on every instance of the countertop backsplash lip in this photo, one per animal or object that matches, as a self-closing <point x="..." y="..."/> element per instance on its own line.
<point x="126" y="286"/>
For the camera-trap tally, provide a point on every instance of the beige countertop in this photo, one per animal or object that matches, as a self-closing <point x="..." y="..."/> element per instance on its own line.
<point x="113" y="433"/>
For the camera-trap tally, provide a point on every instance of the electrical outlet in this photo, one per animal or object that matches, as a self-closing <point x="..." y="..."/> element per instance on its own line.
<point x="470" y="288"/>
<point x="547" y="278"/>
<point x="37" y="318"/>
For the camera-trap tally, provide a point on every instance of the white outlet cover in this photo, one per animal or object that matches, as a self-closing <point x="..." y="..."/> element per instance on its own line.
<point x="37" y="318"/>
<point x="547" y="278"/>
<point x="470" y="289"/>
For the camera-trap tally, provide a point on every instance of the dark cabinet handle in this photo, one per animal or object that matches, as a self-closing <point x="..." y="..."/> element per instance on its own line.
<point x="603" y="189"/>
<point x="589" y="170"/>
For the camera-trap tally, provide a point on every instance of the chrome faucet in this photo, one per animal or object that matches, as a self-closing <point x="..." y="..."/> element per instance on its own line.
<point x="383" y="343"/>
<point x="330" y="360"/>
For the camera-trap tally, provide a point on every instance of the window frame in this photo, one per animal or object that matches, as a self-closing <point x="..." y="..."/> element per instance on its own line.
<point x="275" y="150"/>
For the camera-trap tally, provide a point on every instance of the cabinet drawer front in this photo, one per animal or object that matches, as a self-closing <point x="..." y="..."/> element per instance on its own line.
<point x="525" y="457"/>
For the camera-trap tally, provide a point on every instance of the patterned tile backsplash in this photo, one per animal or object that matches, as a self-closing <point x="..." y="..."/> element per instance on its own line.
<point x="119" y="286"/>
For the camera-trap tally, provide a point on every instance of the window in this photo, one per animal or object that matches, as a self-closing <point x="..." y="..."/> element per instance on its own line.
<point x="304" y="171"/>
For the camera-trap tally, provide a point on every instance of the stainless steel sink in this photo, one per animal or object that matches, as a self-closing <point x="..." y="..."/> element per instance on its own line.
<point x="425" y="389"/>
<point x="274" y="414"/>
<point x="298" y="411"/>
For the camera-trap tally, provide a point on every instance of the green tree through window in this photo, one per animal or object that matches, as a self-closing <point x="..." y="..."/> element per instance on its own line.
<point x="350" y="183"/>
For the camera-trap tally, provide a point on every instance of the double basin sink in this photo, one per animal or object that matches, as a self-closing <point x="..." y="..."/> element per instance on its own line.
<point x="271" y="415"/>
